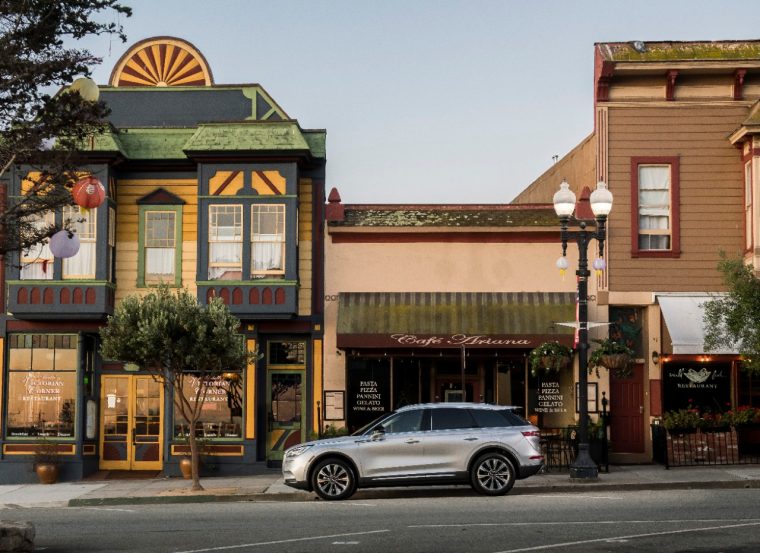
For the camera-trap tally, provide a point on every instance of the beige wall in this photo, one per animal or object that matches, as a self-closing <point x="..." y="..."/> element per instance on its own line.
<point x="440" y="267"/>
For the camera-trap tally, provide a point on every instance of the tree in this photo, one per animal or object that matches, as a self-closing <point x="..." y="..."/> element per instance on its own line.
<point x="38" y="129"/>
<point x="733" y="320"/>
<point x="175" y="339"/>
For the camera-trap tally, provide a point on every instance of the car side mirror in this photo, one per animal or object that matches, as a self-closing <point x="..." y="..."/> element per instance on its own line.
<point x="378" y="433"/>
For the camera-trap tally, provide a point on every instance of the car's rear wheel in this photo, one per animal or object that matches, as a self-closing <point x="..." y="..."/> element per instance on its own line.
<point x="333" y="479"/>
<point x="492" y="474"/>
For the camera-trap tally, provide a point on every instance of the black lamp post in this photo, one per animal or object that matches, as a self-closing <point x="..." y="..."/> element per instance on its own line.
<point x="601" y="204"/>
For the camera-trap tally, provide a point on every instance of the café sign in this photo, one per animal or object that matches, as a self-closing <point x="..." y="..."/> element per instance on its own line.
<point x="410" y="340"/>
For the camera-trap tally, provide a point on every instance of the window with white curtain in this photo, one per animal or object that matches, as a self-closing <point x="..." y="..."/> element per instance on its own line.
<point x="655" y="215"/>
<point x="267" y="239"/>
<point x="81" y="265"/>
<point x="748" y="226"/>
<point x="225" y="236"/>
<point x="160" y="246"/>
<point x="37" y="261"/>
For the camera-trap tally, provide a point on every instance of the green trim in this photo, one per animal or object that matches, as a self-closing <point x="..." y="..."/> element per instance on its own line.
<point x="254" y="282"/>
<point x="142" y="210"/>
<point x="66" y="282"/>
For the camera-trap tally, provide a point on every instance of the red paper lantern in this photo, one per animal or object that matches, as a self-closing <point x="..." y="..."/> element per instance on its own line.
<point x="88" y="192"/>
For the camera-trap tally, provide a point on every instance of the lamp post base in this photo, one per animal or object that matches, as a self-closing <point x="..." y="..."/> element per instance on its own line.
<point x="584" y="467"/>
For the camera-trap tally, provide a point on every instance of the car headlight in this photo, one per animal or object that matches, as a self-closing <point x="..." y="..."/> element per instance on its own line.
<point x="297" y="450"/>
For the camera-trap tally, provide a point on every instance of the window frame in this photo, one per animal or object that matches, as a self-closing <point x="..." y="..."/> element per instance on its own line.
<point x="142" y="236"/>
<point x="675" y="214"/>
<point x="47" y="218"/>
<point x="91" y="220"/>
<point x="210" y="240"/>
<point x="281" y="215"/>
<point x="749" y="223"/>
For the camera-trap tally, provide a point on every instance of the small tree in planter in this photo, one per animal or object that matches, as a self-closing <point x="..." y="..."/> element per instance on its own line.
<point x="174" y="338"/>
<point x="46" y="461"/>
<point x="549" y="356"/>
<point x="611" y="355"/>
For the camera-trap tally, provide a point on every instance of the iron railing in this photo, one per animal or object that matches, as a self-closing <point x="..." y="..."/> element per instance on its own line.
<point x="560" y="447"/>
<point x="698" y="447"/>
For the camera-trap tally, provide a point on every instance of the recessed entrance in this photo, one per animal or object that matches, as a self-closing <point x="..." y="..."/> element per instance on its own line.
<point x="131" y="423"/>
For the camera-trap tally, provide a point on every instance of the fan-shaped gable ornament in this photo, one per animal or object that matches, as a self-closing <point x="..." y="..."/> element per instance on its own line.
<point x="162" y="61"/>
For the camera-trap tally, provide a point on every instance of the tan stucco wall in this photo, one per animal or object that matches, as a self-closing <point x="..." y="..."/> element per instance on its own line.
<point x="441" y="267"/>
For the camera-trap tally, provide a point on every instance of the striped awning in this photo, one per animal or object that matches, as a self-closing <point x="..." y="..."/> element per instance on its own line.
<point x="454" y="319"/>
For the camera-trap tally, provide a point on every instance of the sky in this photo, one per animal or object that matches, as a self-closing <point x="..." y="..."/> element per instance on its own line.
<point x="447" y="101"/>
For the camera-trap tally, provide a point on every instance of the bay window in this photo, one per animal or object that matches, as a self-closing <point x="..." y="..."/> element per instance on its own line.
<point x="37" y="261"/>
<point x="267" y="239"/>
<point x="81" y="265"/>
<point x="225" y="234"/>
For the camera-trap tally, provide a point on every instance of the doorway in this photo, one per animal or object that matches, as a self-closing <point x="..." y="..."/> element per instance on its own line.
<point x="627" y="410"/>
<point x="131" y="425"/>
<point x="285" y="408"/>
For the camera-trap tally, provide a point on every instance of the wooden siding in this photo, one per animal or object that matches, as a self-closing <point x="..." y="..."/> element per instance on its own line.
<point x="128" y="191"/>
<point x="305" y="246"/>
<point x="711" y="193"/>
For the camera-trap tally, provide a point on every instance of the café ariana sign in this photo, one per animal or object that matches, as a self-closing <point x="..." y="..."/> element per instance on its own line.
<point x="448" y="340"/>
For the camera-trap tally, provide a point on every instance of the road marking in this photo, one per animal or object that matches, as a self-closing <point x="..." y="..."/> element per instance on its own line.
<point x="345" y="543"/>
<point x="276" y="542"/>
<point x="579" y="523"/>
<point x="105" y="509"/>
<point x="629" y="537"/>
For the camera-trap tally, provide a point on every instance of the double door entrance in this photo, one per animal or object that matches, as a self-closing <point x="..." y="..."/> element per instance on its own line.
<point x="131" y="423"/>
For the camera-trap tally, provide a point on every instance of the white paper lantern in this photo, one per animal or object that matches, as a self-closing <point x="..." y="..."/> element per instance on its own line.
<point x="86" y="88"/>
<point x="64" y="244"/>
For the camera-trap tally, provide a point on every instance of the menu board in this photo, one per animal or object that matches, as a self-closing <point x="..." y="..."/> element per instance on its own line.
<point x="369" y="395"/>
<point x="550" y="398"/>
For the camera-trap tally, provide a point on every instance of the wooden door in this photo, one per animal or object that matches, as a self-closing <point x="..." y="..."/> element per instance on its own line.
<point x="627" y="411"/>
<point x="131" y="422"/>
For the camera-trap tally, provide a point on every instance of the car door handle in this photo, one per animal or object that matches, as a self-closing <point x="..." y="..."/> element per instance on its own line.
<point x="470" y="439"/>
<point x="412" y="441"/>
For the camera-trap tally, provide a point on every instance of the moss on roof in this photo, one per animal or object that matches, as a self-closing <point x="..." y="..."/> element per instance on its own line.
<point x="155" y="143"/>
<point x="448" y="216"/>
<point x="247" y="137"/>
<point x="681" y="51"/>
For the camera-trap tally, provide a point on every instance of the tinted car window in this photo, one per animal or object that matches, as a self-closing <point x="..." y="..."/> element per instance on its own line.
<point x="450" y="419"/>
<point x="406" y="421"/>
<point x="489" y="418"/>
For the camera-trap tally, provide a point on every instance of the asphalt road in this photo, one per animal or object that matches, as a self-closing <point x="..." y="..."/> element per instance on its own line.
<point x="693" y="521"/>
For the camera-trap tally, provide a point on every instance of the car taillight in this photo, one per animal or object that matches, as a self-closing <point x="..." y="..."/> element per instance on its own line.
<point x="531" y="433"/>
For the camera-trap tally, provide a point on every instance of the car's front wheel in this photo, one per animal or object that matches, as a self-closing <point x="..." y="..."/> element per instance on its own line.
<point x="333" y="479"/>
<point x="492" y="474"/>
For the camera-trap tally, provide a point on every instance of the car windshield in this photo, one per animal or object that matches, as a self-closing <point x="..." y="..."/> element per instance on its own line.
<point x="366" y="427"/>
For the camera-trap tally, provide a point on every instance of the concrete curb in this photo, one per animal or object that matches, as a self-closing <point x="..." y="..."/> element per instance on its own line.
<point x="395" y="493"/>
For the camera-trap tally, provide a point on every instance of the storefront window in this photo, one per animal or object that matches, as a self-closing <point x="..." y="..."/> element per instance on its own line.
<point x="287" y="353"/>
<point x="222" y="411"/>
<point x="42" y="385"/>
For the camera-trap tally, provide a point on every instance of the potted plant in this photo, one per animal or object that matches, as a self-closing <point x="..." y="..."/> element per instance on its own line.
<point x="46" y="461"/>
<point x="549" y="356"/>
<point x="611" y="355"/>
<point x="683" y="421"/>
<point x="746" y="420"/>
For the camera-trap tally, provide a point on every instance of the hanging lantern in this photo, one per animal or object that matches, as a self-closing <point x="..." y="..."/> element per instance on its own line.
<point x="88" y="192"/>
<point x="599" y="265"/>
<point x="64" y="244"/>
<point x="562" y="265"/>
<point x="86" y="88"/>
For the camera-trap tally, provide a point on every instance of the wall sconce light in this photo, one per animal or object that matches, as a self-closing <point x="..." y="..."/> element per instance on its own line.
<point x="655" y="357"/>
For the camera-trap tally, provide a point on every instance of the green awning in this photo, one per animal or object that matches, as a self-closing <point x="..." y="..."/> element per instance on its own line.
<point x="453" y="319"/>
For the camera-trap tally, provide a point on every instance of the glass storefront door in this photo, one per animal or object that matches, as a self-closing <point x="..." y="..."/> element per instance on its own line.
<point x="131" y="425"/>
<point x="285" y="408"/>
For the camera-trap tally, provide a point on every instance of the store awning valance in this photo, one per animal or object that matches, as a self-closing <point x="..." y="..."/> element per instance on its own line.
<point x="684" y="317"/>
<point x="448" y="320"/>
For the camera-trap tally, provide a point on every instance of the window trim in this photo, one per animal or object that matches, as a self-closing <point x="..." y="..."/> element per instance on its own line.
<point x="74" y="210"/>
<point x="141" y="230"/>
<point x="209" y="240"/>
<point x="749" y="220"/>
<point x="282" y="213"/>
<point x="675" y="207"/>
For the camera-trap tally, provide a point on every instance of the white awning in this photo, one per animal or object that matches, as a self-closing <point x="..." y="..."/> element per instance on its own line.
<point x="684" y="317"/>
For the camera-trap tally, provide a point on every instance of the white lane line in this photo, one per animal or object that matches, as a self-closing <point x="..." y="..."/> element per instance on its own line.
<point x="582" y="523"/>
<point x="613" y="539"/>
<point x="276" y="542"/>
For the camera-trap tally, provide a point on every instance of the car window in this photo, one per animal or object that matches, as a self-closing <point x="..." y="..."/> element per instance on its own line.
<point x="450" y="419"/>
<point x="406" y="421"/>
<point x="489" y="418"/>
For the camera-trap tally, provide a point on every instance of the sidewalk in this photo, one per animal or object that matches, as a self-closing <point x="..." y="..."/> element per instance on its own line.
<point x="267" y="485"/>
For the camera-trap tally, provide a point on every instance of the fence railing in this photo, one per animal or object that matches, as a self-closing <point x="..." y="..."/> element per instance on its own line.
<point x="560" y="448"/>
<point x="695" y="447"/>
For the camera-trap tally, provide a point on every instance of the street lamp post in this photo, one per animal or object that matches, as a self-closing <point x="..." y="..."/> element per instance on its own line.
<point x="601" y="204"/>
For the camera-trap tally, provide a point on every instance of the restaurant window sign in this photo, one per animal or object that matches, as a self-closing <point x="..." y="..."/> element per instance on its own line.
<point x="42" y="385"/>
<point x="222" y="409"/>
<point x="703" y="386"/>
<point x="369" y="390"/>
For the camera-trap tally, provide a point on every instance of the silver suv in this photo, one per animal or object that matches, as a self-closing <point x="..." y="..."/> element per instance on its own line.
<point x="487" y="446"/>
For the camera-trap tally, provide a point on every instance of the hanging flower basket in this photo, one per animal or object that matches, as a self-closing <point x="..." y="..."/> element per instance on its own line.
<point x="549" y="356"/>
<point x="611" y="355"/>
<point x="615" y="360"/>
